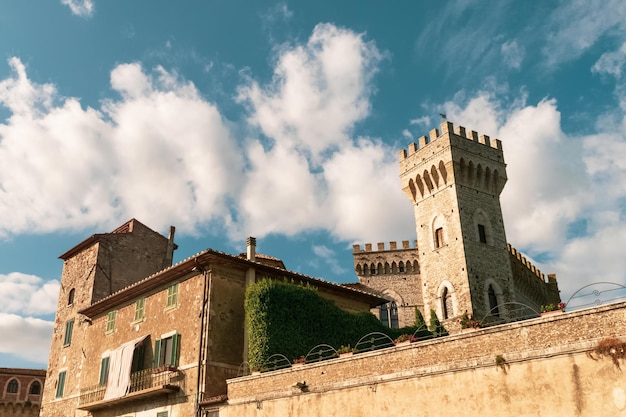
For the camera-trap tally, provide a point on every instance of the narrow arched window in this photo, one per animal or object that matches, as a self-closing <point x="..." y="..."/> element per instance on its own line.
<point x="384" y="315"/>
<point x="393" y="315"/>
<point x="70" y="297"/>
<point x="493" y="302"/>
<point x="12" y="386"/>
<point x="446" y="304"/>
<point x="401" y="267"/>
<point x="35" y="388"/>
<point x="372" y="269"/>
<point x="439" y="237"/>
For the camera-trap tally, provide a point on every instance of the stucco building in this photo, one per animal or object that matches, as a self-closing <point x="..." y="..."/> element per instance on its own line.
<point x="135" y="335"/>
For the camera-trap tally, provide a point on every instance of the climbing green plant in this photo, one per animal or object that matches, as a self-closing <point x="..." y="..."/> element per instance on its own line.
<point x="290" y="319"/>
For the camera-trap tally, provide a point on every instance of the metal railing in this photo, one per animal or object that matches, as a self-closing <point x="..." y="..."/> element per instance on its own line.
<point x="139" y="381"/>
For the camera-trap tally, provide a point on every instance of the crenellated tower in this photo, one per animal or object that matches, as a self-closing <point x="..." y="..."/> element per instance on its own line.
<point x="454" y="179"/>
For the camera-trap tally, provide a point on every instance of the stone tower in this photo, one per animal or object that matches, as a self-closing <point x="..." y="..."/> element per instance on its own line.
<point x="454" y="180"/>
<point x="92" y="270"/>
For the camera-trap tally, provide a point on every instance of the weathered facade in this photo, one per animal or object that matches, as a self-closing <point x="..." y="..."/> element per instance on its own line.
<point x="21" y="391"/>
<point x="461" y="261"/>
<point x="166" y="340"/>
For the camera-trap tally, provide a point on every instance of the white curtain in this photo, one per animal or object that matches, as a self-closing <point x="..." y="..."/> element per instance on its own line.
<point x="120" y="363"/>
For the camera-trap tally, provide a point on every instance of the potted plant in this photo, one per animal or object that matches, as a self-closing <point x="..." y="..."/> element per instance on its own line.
<point x="404" y="339"/>
<point x="299" y="361"/>
<point x="550" y="309"/>
<point x="345" y="351"/>
<point x="468" y="323"/>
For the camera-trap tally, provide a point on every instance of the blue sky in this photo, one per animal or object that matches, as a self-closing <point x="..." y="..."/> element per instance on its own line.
<point x="282" y="120"/>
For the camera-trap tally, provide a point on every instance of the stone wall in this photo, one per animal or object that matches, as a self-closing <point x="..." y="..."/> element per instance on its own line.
<point x="545" y="371"/>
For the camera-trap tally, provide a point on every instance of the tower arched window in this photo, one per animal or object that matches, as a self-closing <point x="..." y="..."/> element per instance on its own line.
<point x="372" y="269"/>
<point x="493" y="302"/>
<point x="35" y="388"/>
<point x="401" y="267"/>
<point x="70" y="297"/>
<point x="13" y="386"/>
<point x="447" y="308"/>
<point x="389" y="315"/>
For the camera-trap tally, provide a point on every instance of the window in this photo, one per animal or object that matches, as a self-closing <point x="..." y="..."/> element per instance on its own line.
<point x="60" y="385"/>
<point x="389" y="315"/>
<point x="213" y="413"/>
<point x="166" y="351"/>
<point x="70" y="297"/>
<point x="138" y="358"/>
<point x="140" y="308"/>
<point x="446" y="306"/>
<point x="372" y="269"/>
<point x="69" y="326"/>
<point x="172" y="295"/>
<point x="111" y="321"/>
<point x="439" y="237"/>
<point x="482" y="236"/>
<point x="35" y="388"/>
<point x="162" y="414"/>
<point x="493" y="302"/>
<point x="13" y="386"/>
<point x="104" y="371"/>
<point x="401" y="267"/>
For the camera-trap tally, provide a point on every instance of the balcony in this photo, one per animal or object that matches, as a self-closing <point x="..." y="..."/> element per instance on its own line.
<point x="143" y="384"/>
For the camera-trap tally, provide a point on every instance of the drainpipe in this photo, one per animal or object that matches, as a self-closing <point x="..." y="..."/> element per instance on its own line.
<point x="250" y="279"/>
<point x="204" y="324"/>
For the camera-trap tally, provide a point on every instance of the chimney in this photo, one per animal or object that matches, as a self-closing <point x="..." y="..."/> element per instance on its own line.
<point x="251" y="248"/>
<point x="169" y="254"/>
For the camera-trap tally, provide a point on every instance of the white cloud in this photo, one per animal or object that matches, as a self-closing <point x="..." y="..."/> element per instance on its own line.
<point x="28" y="294"/>
<point x="319" y="91"/>
<point x="328" y="256"/>
<point x="512" y="53"/>
<point x="611" y="62"/>
<point x="26" y="337"/>
<point x="83" y="8"/>
<point x="579" y="24"/>
<point x="162" y="153"/>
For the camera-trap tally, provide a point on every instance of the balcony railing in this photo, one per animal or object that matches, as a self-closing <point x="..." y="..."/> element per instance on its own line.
<point x="146" y="382"/>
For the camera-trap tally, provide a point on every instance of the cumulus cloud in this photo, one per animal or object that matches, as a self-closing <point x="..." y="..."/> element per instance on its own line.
<point x="25" y="337"/>
<point x="329" y="258"/>
<point x="319" y="91"/>
<point x="83" y="8"/>
<point x="318" y="175"/>
<point x="611" y="63"/>
<point x="161" y="153"/>
<point x="28" y="294"/>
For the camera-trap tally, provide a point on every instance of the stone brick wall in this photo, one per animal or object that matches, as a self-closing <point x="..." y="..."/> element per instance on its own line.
<point x="403" y="286"/>
<point x="545" y="372"/>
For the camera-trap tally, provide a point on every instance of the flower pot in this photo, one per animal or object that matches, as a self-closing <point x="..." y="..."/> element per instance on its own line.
<point x="551" y="313"/>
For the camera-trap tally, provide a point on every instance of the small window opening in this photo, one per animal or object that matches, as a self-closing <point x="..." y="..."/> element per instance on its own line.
<point x="481" y="233"/>
<point x="439" y="237"/>
<point x="493" y="302"/>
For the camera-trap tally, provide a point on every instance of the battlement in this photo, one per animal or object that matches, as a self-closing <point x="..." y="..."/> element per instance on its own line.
<point x="448" y="127"/>
<point x="380" y="246"/>
<point x="522" y="260"/>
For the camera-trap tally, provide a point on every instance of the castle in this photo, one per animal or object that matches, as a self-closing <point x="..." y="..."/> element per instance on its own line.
<point x="137" y="336"/>
<point x="461" y="261"/>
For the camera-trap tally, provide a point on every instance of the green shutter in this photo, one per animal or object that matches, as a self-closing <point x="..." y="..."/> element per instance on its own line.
<point x="104" y="371"/>
<point x="60" y="385"/>
<point x="175" y="349"/>
<point x="69" y="326"/>
<point x="156" y="359"/>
